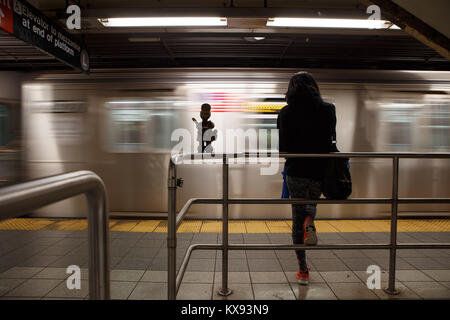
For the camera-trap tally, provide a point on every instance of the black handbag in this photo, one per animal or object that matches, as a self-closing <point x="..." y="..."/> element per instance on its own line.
<point x="337" y="182"/>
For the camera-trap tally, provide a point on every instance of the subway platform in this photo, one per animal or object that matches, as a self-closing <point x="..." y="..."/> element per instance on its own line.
<point x="34" y="255"/>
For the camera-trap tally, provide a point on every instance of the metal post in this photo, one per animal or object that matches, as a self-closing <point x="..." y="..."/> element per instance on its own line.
<point x="393" y="250"/>
<point x="171" y="232"/>
<point x="225" y="291"/>
<point x="98" y="233"/>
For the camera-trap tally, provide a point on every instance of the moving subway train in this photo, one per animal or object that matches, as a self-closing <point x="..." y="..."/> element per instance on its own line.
<point x="123" y="126"/>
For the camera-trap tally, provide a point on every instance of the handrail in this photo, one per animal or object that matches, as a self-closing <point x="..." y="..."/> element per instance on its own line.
<point x="23" y="197"/>
<point x="174" y="220"/>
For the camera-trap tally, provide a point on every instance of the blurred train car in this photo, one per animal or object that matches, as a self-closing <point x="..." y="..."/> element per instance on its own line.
<point x="120" y="125"/>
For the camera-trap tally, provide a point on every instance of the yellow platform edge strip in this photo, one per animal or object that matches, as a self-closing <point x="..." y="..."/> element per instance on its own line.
<point x="234" y="226"/>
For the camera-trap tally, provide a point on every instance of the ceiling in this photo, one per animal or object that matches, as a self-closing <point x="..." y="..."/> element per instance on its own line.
<point x="234" y="46"/>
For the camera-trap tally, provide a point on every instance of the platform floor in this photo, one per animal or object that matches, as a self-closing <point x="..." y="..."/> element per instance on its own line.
<point x="33" y="266"/>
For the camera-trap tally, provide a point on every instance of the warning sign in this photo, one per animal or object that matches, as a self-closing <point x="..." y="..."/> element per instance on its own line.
<point x="6" y="15"/>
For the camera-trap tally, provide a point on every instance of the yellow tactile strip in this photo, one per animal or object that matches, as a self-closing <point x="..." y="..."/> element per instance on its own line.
<point x="235" y="226"/>
<point x="25" y="224"/>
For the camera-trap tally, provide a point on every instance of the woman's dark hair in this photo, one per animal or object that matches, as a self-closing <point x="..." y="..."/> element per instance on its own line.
<point x="302" y="86"/>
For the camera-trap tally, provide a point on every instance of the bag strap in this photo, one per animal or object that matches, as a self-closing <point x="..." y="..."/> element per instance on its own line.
<point x="333" y="146"/>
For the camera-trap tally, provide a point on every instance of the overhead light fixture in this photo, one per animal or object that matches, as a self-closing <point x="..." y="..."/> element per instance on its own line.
<point x="254" y="39"/>
<point x="164" y="22"/>
<point x="330" y="23"/>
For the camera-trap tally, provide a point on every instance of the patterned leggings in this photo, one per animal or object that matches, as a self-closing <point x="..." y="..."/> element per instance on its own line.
<point x="304" y="188"/>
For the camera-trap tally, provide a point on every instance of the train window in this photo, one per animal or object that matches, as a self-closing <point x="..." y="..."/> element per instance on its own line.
<point x="416" y="126"/>
<point x="139" y="126"/>
<point x="435" y="121"/>
<point x="399" y="121"/>
<point x="4" y="131"/>
<point x="9" y="125"/>
<point x="265" y="122"/>
<point x="162" y="125"/>
<point x="128" y="129"/>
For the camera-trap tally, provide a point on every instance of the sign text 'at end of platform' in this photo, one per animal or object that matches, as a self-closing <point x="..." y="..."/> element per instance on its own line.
<point x="25" y="22"/>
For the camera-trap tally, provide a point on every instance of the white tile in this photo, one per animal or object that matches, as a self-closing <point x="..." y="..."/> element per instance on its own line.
<point x="149" y="291"/>
<point x="240" y="291"/>
<point x="61" y="291"/>
<point x="339" y="276"/>
<point x="267" y="277"/>
<point x="411" y="275"/>
<point x="20" y="272"/>
<point x="198" y="277"/>
<point x="9" y="284"/>
<point x="155" y="276"/>
<point x="273" y="291"/>
<point x="195" y="291"/>
<point x="52" y="273"/>
<point x="429" y="290"/>
<point x="126" y="275"/>
<point x="352" y="291"/>
<point x="438" y="275"/>
<point x="121" y="290"/>
<point x="233" y="277"/>
<point x="313" y="291"/>
<point x="403" y="292"/>
<point x="34" y="288"/>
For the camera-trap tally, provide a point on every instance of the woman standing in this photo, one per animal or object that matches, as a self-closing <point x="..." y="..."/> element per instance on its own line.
<point x="306" y="124"/>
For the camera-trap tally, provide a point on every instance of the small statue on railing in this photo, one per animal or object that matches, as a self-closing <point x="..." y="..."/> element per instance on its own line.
<point x="205" y="133"/>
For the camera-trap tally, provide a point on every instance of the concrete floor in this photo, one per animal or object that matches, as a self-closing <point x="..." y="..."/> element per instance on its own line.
<point x="33" y="266"/>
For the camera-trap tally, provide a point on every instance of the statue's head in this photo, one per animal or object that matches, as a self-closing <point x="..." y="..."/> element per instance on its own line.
<point x="206" y="112"/>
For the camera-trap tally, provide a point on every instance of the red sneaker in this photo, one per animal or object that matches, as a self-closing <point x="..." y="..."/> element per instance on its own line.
<point x="303" y="277"/>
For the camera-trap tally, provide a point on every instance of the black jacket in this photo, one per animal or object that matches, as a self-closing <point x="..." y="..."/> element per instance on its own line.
<point x="307" y="126"/>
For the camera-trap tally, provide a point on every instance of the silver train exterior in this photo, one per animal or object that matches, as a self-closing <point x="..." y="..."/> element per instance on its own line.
<point x="120" y="124"/>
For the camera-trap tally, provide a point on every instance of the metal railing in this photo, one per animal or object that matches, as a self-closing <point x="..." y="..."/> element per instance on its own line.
<point x="23" y="197"/>
<point x="174" y="220"/>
